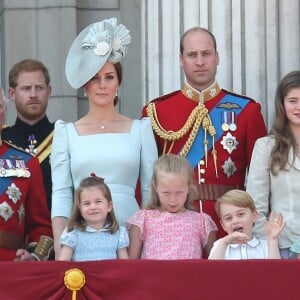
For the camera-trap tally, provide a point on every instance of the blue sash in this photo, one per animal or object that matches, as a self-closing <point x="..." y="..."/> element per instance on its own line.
<point x="11" y="152"/>
<point x="196" y="152"/>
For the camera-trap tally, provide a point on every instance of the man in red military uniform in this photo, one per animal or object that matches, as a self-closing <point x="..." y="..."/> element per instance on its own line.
<point x="25" y="226"/>
<point x="213" y="128"/>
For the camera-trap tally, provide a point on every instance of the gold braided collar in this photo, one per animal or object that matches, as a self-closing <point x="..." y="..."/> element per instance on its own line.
<point x="199" y="116"/>
<point x="201" y="96"/>
<point x="171" y="135"/>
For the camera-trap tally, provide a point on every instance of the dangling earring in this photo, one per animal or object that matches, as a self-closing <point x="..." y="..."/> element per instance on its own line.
<point x="84" y="92"/>
<point x="117" y="93"/>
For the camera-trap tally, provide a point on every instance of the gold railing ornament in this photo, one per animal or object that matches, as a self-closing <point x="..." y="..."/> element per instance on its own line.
<point x="74" y="280"/>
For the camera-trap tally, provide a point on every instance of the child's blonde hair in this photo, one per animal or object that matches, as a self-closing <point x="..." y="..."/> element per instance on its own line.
<point x="174" y="164"/>
<point x="236" y="197"/>
<point x="76" y="220"/>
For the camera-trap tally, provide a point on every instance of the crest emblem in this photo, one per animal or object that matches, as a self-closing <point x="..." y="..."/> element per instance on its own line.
<point x="6" y="211"/>
<point x="229" y="167"/>
<point x="213" y="92"/>
<point x="13" y="193"/>
<point x="229" y="142"/>
<point x="189" y="93"/>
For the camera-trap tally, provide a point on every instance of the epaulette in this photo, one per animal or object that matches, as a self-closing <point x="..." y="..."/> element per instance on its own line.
<point x="10" y="144"/>
<point x="239" y="95"/>
<point x="161" y="98"/>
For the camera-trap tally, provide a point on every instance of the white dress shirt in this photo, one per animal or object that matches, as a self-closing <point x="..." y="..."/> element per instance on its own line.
<point x="254" y="249"/>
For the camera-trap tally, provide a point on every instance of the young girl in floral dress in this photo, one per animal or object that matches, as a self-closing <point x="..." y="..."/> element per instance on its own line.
<point x="168" y="228"/>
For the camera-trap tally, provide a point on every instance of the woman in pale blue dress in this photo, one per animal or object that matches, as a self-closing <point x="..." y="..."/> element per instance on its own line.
<point x="104" y="141"/>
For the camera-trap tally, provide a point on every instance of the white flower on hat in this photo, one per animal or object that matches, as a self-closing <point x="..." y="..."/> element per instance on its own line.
<point x="117" y="44"/>
<point x="100" y="39"/>
<point x="97" y="39"/>
<point x="101" y="48"/>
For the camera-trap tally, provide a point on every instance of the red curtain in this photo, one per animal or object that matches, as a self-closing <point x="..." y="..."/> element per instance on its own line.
<point x="146" y="279"/>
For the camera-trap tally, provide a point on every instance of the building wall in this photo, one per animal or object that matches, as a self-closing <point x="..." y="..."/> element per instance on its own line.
<point x="40" y="30"/>
<point x="258" y="43"/>
<point x="45" y="29"/>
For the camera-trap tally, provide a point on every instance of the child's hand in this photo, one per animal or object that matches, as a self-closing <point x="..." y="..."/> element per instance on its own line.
<point x="236" y="237"/>
<point x="273" y="226"/>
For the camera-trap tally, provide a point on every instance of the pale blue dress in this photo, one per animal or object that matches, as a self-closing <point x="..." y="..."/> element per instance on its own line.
<point x="295" y="249"/>
<point x="92" y="244"/>
<point x="117" y="157"/>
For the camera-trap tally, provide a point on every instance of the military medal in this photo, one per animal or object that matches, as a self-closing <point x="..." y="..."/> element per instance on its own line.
<point x="229" y="142"/>
<point x="13" y="193"/>
<point x="21" y="214"/>
<point x="13" y="167"/>
<point x="9" y="164"/>
<point x="5" y="167"/>
<point x="2" y="168"/>
<point x="232" y="125"/>
<point x="31" y="147"/>
<point x="21" y="170"/>
<point x="20" y="164"/>
<point x="229" y="167"/>
<point x="2" y="172"/>
<point x="6" y="211"/>
<point x="225" y="126"/>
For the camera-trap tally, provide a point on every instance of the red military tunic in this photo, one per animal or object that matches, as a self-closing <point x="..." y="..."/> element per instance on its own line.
<point x="24" y="216"/>
<point x="225" y="170"/>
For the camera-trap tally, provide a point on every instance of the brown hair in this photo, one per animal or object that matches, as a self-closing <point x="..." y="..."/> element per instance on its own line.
<point x="119" y="72"/>
<point x="281" y="131"/>
<point x="195" y="29"/>
<point x="237" y="198"/>
<point x="174" y="164"/>
<point x="2" y="96"/>
<point x="26" y="65"/>
<point x="76" y="220"/>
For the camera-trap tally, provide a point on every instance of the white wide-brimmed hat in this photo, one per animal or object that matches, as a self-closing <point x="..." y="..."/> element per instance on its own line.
<point x="93" y="47"/>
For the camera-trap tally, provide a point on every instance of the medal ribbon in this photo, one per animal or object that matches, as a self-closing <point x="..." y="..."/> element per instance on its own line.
<point x="196" y="152"/>
<point x="11" y="152"/>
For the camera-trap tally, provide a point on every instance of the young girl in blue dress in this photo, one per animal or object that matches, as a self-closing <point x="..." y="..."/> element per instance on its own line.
<point x="93" y="232"/>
